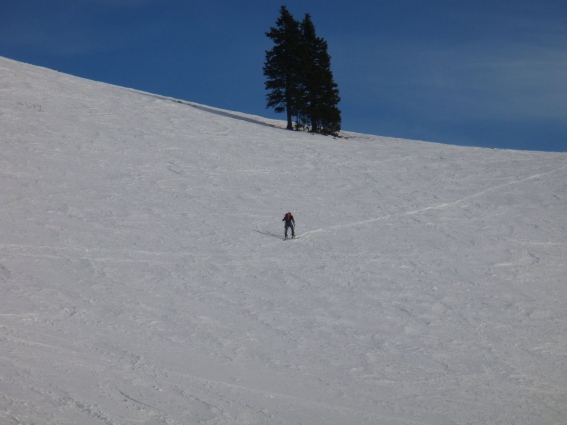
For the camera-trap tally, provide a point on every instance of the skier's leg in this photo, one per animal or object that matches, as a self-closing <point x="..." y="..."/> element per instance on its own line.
<point x="292" y="230"/>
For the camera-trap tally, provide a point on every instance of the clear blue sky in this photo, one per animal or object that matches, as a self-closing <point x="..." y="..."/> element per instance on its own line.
<point x="469" y="72"/>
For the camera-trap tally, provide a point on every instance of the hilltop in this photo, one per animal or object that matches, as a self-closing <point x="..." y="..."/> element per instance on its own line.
<point x="143" y="278"/>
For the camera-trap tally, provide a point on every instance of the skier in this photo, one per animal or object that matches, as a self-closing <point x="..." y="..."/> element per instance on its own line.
<point x="289" y="223"/>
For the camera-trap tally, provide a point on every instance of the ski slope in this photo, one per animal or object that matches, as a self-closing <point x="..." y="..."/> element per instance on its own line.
<point x="144" y="280"/>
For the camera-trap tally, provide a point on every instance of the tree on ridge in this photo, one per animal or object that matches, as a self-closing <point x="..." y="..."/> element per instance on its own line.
<point x="282" y="66"/>
<point x="299" y="76"/>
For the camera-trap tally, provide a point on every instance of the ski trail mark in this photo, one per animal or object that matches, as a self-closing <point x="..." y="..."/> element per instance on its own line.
<point x="482" y="192"/>
<point x="139" y="402"/>
<point x="301" y="400"/>
<point x="310" y="233"/>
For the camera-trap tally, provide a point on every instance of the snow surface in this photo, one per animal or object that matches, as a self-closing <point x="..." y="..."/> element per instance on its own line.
<point x="143" y="279"/>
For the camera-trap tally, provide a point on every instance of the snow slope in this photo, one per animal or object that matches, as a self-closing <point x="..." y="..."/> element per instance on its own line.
<point x="143" y="279"/>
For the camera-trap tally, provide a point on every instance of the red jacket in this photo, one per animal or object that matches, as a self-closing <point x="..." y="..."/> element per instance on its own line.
<point x="288" y="218"/>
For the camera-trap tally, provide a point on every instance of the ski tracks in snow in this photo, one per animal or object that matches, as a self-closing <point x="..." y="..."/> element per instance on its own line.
<point x="96" y="254"/>
<point x="482" y="192"/>
<point x="308" y="234"/>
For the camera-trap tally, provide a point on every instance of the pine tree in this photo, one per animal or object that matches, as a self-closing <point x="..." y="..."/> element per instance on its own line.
<point x="299" y="76"/>
<point x="282" y="65"/>
<point x="320" y="93"/>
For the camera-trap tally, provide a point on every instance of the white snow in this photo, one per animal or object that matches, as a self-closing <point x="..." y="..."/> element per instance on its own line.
<point x="143" y="279"/>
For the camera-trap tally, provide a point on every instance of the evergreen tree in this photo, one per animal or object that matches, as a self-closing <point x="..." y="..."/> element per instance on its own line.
<point x="299" y="77"/>
<point x="282" y="65"/>
<point x="320" y="93"/>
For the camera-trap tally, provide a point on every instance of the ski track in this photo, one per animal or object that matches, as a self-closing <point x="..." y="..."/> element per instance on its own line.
<point x="434" y="207"/>
<point x="271" y="394"/>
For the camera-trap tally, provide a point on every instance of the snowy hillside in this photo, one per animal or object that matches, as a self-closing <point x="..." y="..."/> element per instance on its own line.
<point x="144" y="280"/>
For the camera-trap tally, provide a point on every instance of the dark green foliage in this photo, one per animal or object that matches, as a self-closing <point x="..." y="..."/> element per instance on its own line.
<point x="282" y="65"/>
<point x="299" y="77"/>
<point x="320" y="94"/>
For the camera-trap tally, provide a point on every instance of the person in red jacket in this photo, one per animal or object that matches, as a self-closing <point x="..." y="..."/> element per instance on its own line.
<point x="289" y="224"/>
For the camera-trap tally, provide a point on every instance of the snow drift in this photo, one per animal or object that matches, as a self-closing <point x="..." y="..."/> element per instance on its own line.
<point x="143" y="279"/>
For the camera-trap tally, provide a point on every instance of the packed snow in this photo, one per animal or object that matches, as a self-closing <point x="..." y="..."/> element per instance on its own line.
<point x="144" y="278"/>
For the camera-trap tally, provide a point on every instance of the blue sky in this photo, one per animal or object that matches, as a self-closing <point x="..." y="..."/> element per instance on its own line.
<point x="467" y="72"/>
